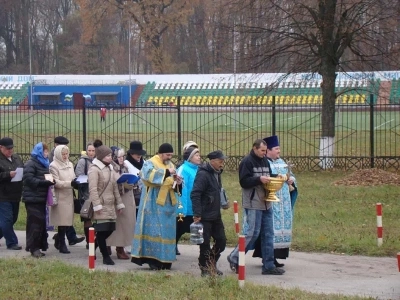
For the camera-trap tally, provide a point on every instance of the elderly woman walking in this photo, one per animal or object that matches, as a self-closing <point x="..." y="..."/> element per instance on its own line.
<point x="62" y="214"/>
<point x="34" y="195"/>
<point x="104" y="194"/>
<point x="125" y="225"/>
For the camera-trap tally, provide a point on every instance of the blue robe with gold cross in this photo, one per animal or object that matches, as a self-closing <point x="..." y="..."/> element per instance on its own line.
<point x="155" y="230"/>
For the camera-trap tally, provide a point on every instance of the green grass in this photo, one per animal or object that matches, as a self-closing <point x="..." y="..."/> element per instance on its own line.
<point x="232" y="131"/>
<point x="46" y="279"/>
<point x="328" y="218"/>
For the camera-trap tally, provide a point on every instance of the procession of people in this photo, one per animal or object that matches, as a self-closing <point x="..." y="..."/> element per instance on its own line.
<point x="142" y="207"/>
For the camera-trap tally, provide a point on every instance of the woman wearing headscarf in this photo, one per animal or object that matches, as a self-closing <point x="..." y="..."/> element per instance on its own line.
<point x="34" y="195"/>
<point x="126" y="220"/>
<point x="82" y="168"/>
<point x="62" y="214"/>
<point x="188" y="171"/>
<point x="105" y="197"/>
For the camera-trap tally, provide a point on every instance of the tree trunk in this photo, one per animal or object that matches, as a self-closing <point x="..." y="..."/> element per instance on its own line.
<point x="327" y="116"/>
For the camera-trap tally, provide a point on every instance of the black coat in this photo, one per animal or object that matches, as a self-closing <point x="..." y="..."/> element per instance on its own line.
<point x="9" y="191"/>
<point x="206" y="194"/>
<point x="35" y="185"/>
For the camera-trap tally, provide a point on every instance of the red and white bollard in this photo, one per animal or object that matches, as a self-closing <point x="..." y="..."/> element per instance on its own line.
<point x="379" y="223"/>
<point x="91" y="250"/>
<point x="242" y="265"/>
<point x="236" y="215"/>
<point x="398" y="260"/>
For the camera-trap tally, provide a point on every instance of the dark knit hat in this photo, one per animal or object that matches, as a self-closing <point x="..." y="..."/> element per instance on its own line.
<point x="61" y="140"/>
<point x="165" y="148"/>
<point x="189" y="153"/>
<point x="102" y="151"/>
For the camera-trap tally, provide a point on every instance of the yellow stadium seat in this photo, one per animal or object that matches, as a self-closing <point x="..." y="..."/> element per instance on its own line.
<point x="362" y="99"/>
<point x="298" y="99"/>
<point x="309" y="99"/>
<point x="350" y="100"/>
<point x="344" y="99"/>
<point x="269" y="100"/>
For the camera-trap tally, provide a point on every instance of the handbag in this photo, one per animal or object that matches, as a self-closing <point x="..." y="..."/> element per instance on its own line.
<point x="51" y="199"/>
<point x="87" y="210"/>
<point x="78" y="202"/>
<point x="87" y="207"/>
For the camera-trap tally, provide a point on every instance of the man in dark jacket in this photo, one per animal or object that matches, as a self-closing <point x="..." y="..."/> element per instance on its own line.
<point x="10" y="192"/>
<point x="254" y="172"/>
<point x="206" y="200"/>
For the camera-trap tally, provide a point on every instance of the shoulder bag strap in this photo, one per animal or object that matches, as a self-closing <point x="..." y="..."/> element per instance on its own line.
<point x="106" y="184"/>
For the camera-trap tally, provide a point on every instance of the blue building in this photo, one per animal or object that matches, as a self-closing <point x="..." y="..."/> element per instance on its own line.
<point x="75" y="96"/>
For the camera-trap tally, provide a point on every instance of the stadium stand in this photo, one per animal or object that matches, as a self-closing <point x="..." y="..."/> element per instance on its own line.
<point x="12" y="93"/>
<point x="252" y="93"/>
<point x="394" y="97"/>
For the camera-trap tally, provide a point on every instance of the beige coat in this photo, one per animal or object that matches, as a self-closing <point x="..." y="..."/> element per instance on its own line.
<point x="125" y="226"/>
<point x="63" y="173"/>
<point x="104" y="206"/>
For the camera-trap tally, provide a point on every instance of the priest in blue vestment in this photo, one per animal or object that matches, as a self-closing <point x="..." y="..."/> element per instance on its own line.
<point x="154" y="242"/>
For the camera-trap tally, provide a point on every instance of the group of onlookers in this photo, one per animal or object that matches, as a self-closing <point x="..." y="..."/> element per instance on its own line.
<point x="152" y="214"/>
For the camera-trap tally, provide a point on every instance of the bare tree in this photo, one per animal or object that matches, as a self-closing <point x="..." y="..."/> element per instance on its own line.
<point x="154" y="18"/>
<point x="319" y="36"/>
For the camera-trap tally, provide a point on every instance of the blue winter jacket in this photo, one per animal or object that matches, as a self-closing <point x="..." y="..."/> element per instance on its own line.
<point x="188" y="172"/>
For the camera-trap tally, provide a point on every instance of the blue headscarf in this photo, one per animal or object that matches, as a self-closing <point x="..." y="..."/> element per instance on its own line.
<point x="37" y="153"/>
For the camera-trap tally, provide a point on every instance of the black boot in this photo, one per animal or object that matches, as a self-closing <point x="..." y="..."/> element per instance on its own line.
<point x="217" y="271"/>
<point x="277" y="264"/>
<point x="108" y="261"/>
<point x="61" y="236"/>
<point x="56" y="241"/>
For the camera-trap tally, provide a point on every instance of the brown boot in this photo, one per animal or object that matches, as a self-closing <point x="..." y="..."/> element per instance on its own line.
<point x="121" y="253"/>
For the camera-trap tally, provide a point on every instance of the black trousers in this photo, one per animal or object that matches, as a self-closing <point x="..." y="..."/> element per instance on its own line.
<point x="103" y="231"/>
<point x="36" y="233"/>
<point x="212" y="229"/>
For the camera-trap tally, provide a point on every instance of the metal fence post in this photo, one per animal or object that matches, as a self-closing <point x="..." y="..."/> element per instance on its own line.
<point x="179" y="126"/>
<point x="371" y="130"/>
<point x="273" y="116"/>
<point x="84" y="126"/>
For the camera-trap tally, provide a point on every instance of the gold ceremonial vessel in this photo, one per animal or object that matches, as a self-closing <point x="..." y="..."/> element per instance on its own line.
<point x="274" y="185"/>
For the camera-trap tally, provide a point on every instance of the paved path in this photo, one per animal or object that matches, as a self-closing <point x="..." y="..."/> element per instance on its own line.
<point x="318" y="273"/>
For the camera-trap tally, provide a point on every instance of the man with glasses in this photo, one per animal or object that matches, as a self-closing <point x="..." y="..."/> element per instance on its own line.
<point x="10" y="192"/>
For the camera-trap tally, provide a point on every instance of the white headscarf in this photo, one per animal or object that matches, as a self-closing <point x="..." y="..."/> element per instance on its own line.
<point x="58" y="154"/>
